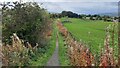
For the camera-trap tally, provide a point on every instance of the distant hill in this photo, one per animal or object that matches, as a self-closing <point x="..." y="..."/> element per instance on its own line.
<point x="109" y="14"/>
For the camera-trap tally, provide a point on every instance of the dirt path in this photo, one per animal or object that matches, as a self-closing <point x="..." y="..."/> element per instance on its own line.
<point x="54" y="60"/>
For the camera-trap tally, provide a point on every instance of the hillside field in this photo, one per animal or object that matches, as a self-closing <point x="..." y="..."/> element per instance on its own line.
<point x="92" y="33"/>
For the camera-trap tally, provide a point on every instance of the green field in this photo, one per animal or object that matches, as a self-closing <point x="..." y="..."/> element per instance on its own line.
<point x="92" y="33"/>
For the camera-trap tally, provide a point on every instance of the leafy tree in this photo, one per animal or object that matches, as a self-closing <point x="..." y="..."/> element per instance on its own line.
<point x="80" y="16"/>
<point x="28" y="20"/>
<point x="69" y="14"/>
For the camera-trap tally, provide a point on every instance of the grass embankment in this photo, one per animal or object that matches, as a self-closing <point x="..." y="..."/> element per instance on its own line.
<point x="63" y="57"/>
<point x="44" y="57"/>
<point x="90" y="32"/>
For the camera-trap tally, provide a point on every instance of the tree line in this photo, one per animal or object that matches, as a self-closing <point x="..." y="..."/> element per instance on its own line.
<point x="71" y="14"/>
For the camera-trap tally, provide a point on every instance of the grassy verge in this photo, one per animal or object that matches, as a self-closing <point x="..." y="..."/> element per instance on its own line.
<point x="63" y="58"/>
<point x="44" y="57"/>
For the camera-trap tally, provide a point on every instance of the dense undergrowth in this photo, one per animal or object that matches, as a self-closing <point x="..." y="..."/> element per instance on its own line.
<point x="26" y="34"/>
<point x="47" y="53"/>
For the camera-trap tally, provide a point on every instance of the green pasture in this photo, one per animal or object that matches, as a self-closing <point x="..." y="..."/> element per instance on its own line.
<point x="90" y="32"/>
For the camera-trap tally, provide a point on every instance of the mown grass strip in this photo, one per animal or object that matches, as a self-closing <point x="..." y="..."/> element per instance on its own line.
<point x="63" y="57"/>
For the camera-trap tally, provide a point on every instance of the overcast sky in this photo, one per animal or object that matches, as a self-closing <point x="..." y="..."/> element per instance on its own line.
<point x="82" y="7"/>
<point x="66" y="0"/>
<point x="77" y="6"/>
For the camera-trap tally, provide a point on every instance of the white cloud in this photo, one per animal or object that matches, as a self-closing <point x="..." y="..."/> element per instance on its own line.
<point x="84" y="7"/>
<point x="77" y="0"/>
<point x="52" y="7"/>
<point x="62" y="0"/>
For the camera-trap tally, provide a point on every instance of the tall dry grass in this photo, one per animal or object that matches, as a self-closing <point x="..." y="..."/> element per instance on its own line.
<point x="17" y="54"/>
